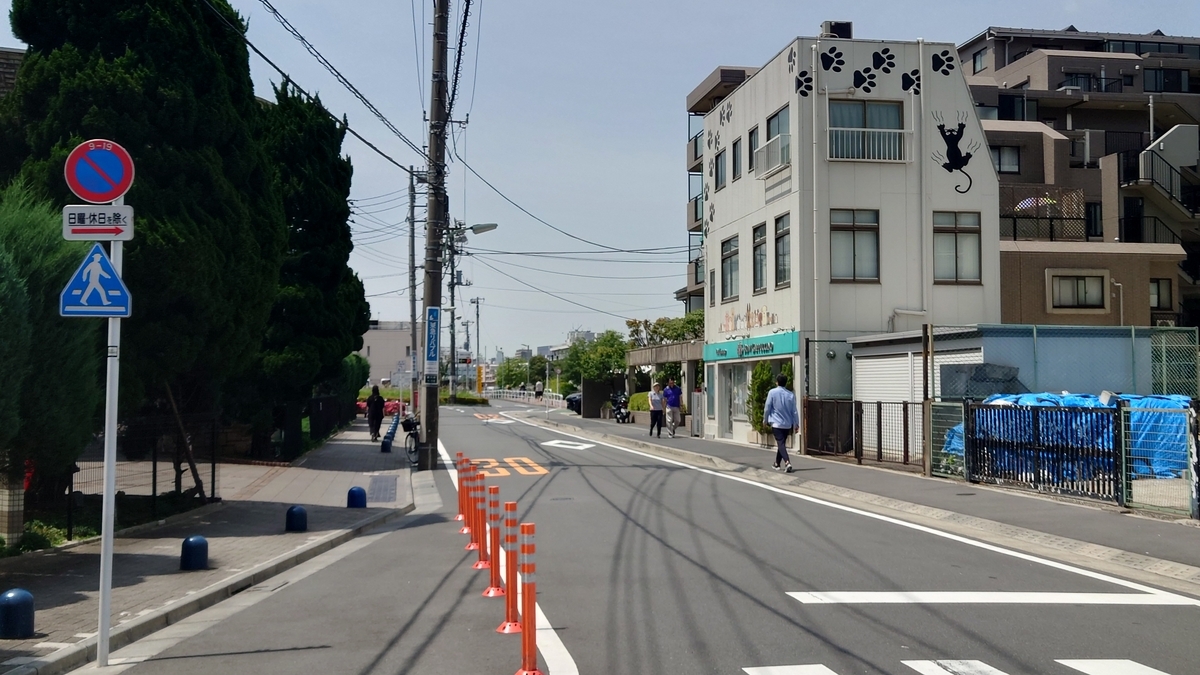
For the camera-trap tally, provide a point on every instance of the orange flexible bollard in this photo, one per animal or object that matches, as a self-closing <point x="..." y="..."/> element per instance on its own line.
<point x="470" y="522"/>
<point x="481" y="525"/>
<point x="458" y="467"/>
<point x="528" y="602"/>
<point x="464" y="494"/>
<point x="494" y="589"/>
<point x="512" y="623"/>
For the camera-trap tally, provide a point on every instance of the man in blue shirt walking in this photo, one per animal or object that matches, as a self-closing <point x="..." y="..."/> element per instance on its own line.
<point x="781" y="414"/>
<point x="673" y="396"/>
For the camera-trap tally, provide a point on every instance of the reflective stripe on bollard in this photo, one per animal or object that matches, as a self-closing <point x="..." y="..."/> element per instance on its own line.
<point x="512" y="623"/>
<point x="469" y="524"/>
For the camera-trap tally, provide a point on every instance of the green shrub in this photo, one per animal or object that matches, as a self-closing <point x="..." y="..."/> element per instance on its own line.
<point x="34" y="541"/>
<point x="760" y="384"/>
<point x="640" y="401"/>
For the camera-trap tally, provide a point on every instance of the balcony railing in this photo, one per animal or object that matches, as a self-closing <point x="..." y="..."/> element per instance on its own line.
<point x="698" y="208"/>
<point x="1043" y="228"/>
<point x="696" y="143"/>
<point x="773" y="156"/>
<point x="1151" y="167"/>
<point x="698" y="272"/>
<point x="1158" y="318"/>
<point x="876" y="145"/>
<point x="1112" y="85"/>
<point x="1147" y="230"/>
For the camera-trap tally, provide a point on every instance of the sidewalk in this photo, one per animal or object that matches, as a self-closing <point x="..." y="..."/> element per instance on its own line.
<point x="246" y="544"/>
<point x="1105" y="534"/>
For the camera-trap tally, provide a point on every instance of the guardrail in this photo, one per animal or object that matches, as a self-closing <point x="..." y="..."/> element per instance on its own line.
<point x="548" y="399"/>
<point x="773" y="156"/>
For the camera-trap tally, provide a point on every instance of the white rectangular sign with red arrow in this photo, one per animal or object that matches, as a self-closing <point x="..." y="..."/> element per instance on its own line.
<point x="101" y="222"/>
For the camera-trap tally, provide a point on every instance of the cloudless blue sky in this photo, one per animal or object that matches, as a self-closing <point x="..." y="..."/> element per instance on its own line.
<point x="577" y="114"/>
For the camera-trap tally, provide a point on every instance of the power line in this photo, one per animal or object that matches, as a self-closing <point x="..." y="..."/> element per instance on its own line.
<point x="288" y="81"/>
<point x="462" y="38"/>
<point x="581" y="259"/>
<point x="339" y="77"/>
<point x="585" y="276"/>
<point x="558" y="297"/>
<point x="666" y="250"/>
<point x="478" y="43"/>
<point x="419" y="61"/>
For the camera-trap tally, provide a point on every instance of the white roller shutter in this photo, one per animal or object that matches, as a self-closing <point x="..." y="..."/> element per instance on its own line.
<point x="887" y="378"/>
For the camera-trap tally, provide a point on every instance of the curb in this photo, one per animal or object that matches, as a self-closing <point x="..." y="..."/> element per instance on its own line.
<point x="1166" y="573"/>
<point x="84" y="652"/>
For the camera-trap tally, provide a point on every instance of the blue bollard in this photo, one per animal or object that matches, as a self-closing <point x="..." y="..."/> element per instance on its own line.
<point x="16" y="614"/>
<point x="386" y="446"/>
<point x="195" y="553"/>
<point x="297" y="520"/>
<point x="356" y="498"/>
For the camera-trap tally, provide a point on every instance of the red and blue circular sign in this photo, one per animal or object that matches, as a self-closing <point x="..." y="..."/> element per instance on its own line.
<point x="99" y="171"/>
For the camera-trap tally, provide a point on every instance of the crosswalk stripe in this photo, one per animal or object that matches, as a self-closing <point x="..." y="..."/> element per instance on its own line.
<point x="817" y="669"/>
<point x="1109" y="667"/>
<point x="952" y="668"/>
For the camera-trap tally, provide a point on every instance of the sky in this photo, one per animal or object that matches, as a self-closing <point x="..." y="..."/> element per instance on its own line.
<point x="576" y="113"/>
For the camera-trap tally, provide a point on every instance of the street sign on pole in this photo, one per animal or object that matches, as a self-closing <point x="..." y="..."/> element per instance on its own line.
<point x="96" y="289"/>
<point x="99" y="171"/>
<point x="433" y="346"/>
<point x="105" y="222"/>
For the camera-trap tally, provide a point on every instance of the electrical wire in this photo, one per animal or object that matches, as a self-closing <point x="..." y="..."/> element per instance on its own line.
<point x="585" y="276"/>
<point x="288" y="81"/>
<point x="462" y="38"/>
<point x="666" y="250"/>
<point x="478" y="43"/>
<point x="557" y="297"/>
<point x="580" y="259"/>
<point x="419" y="62"/>
<point x="279" y="17"/>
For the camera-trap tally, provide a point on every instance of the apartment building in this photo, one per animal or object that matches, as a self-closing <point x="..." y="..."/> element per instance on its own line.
<point x="842" y="189"/>
<point x="1094" y="139"/>
<point x="387" y="345"/>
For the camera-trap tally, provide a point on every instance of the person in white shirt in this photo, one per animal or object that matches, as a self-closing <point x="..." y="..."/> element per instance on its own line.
<point x="657" y="406"/>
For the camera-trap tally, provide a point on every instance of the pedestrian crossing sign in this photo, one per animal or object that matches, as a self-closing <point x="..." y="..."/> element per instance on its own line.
<point x="96" y="289"/>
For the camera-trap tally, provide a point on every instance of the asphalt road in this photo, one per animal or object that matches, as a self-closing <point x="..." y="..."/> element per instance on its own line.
<point x="649" y="566"/>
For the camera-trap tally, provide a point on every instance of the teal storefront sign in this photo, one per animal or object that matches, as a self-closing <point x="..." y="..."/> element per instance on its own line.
<point x="754" y="348"/>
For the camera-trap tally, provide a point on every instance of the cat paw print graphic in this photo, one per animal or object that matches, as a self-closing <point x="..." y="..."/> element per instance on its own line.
<point x="708" y="142"/>
<point x="911" y="81"/>
<point x="865" y="79"/>
<point x="712" y="212"/>
<point x="832" y="60"/>
<point x="804" y="83"/>
<point x="943" y="62"/>
<point x="792" y="60"/>
<point x="883" y="60"/>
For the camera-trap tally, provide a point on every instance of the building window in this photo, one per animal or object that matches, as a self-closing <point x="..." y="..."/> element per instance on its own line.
<point x="1160" y="294"/>
<point x="752" y="141"/>
<point x="760" y="258"/>
<point x="1017" y="108"/>
<point x="1078" y="292"/>
<point x="1127" y="80"/>
<point x="977" y="59"/>
<point x="710" y="391"/>
<point x="729" y="269"/>
<point x="783" y="249"/>
<point x="871" y="130"/>
<point x="738" y="391"/>
<point x="853" y="245"/>
<point x="719" y="178"/>
<point x="1165" y="79"/>
<point x="956" y="247"/>
<point x="1093" y="221"/>
<point x="1006" y="158"/>
<point x="737" y="159"/>
<point x="777" y="150"/>
<point x="712" y="288"/>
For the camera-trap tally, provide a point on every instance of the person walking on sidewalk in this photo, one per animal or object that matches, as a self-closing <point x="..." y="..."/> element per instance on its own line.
<point x="781" y="414"/>
<point x="374" y="412"/>
<point x="672" y="395"/>
<point x="656" y="409"/>
<point x="537" y="390"/>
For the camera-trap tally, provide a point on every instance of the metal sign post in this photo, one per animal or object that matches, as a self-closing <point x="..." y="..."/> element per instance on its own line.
<point x="100" y="171"/>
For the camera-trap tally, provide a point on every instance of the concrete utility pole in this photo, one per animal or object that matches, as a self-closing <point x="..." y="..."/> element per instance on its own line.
<point x="412" y="285"/>
<point x="478" y="346"/>
<point x="437" y="218"/>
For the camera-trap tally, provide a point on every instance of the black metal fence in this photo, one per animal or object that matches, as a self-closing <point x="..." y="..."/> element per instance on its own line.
<point x="829" y="426"/>
<point x="1074" y="451"/>
<point x="889" y="432"/>
<point x="326" y="414"/>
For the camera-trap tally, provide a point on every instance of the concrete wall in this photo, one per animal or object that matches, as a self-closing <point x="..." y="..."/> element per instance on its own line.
<point x="388" y="348"/>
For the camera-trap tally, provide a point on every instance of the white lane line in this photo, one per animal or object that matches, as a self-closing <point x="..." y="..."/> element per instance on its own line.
<point x="1109" y="667"/>
<point x="952" y="667"/>
<point x="554" y="652"/>
<point x="1053" y="564"/>
<point x="790" y="670"/>
<point x="984" y="598"/>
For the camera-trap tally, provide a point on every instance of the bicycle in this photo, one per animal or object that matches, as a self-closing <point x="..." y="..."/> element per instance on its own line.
<point x="412" y="437"/>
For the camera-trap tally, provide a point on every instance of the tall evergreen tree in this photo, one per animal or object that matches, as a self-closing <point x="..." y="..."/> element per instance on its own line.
<point x="14" y="347"/>
<point x="170" y="81"/>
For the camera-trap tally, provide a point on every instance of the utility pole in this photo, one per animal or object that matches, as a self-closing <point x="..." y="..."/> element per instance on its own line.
<point x="452" y="233"/>
<point x="437" y="217"/>
<point x="478" y="345"/>
<point x="412" y="286"/>
<point x="466" y="324"/>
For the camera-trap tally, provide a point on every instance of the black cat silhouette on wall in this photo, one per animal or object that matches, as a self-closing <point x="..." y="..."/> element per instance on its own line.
<point x="954" y="158"/>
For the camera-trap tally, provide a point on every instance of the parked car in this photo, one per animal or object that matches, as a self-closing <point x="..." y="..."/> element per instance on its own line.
<point x="573" y="402"/>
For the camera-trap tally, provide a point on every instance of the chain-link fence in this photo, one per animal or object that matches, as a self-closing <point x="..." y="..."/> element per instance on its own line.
<point x="944" y="431"/>
<point x="1158" y="449"/>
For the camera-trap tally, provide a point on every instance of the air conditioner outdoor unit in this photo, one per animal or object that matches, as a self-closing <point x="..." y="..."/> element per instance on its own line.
<point x="1169" y="323"/>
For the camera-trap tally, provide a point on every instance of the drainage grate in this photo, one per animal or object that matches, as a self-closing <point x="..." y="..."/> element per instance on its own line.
<point x="382" y="489"/>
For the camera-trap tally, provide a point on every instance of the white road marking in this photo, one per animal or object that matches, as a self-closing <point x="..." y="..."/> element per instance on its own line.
<point x="1109" y="667"/>
<point x="790" y="670"/>
<point x="1099" y="576"/>
<point x="952" y="667"/>
<point x="569" y="445"/>
<point x="554" y="652"/>
<point x="985" y="598"/>
<point x="498" y="421"/>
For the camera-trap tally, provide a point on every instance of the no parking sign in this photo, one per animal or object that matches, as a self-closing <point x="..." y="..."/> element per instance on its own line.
<point x="99" y="171"/>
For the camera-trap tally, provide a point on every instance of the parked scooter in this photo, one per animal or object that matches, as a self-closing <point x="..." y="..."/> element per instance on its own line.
<point x="620" y="409"/>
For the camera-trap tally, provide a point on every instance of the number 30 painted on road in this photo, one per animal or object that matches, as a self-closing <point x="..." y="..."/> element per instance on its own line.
<point x="522" y="465"/>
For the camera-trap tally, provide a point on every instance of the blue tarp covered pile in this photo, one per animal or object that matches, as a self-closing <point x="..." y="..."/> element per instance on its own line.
<point x="1157" y="441"/>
